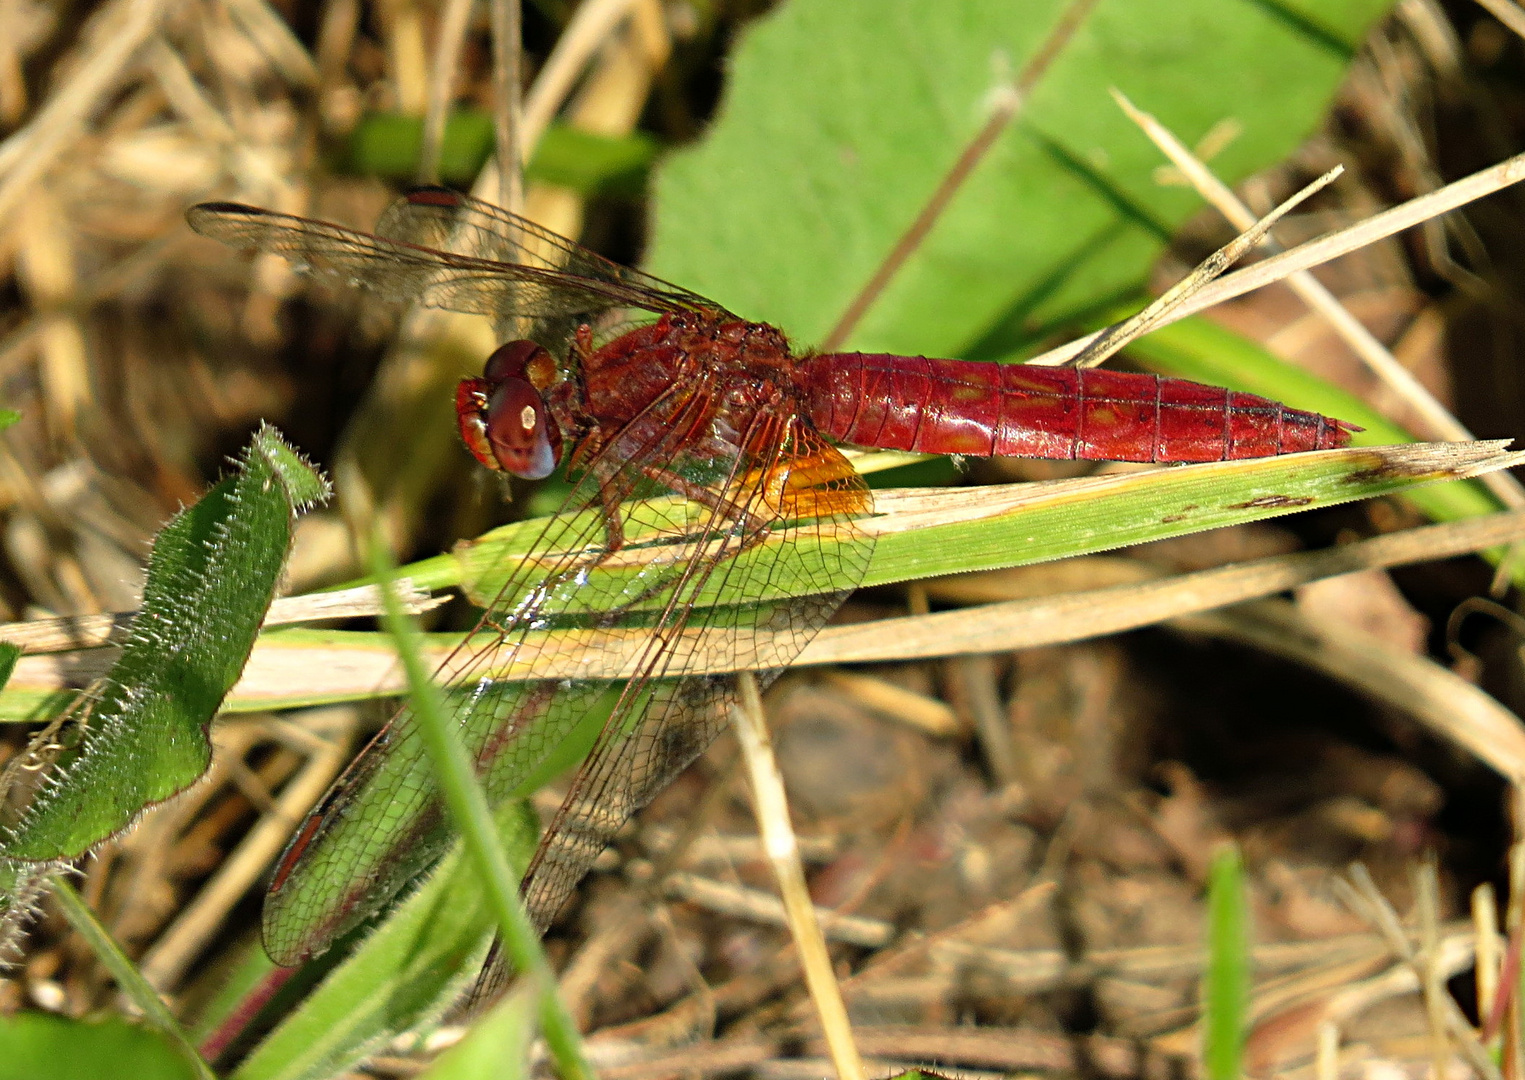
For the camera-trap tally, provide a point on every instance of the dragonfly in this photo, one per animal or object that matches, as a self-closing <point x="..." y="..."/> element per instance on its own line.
<point x="713" y="524"/>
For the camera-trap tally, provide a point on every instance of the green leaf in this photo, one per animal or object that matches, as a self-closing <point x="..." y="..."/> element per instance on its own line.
<point x="8" y="417"/>
<point x="128" y="978"/>
<point x="497" y="1045"/>
<point x="841" y="117"/>
<point x="9" y="654"/>
<point x="402" y="976"/>
<point x="1226" y="982"/>
<point x="389" y="144"/>
<point x="592" y="164"/>
<point x="142" y="737"/>
<point x="43" y="1046"/>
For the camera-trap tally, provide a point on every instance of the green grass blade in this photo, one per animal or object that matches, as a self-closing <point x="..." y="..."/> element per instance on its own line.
<point x="126" y="974"/>
<point x="468" y="806"/>
<point x="1226" y="982"/>
<point x="498" y="1045"/>
<point x="241" y="974"/>
<point x="1062" y="518"/>
<point x="930" y="533"/>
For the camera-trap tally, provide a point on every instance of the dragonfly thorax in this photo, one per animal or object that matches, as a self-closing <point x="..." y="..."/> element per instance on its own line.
<point x="726" y="363"/>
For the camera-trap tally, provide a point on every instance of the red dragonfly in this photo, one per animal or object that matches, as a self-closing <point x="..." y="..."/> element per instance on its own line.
<point x="701" y="453"/>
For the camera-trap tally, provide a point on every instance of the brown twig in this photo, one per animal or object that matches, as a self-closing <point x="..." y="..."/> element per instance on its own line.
<point x="1005" y="103"/>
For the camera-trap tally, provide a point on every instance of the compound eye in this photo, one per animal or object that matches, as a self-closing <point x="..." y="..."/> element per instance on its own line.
<point x="519" y="430"/>
<point x="521" y="360"/>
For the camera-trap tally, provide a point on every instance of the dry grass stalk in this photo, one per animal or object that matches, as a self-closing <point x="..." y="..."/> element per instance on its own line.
<point x="93" y="631"/>
<point x="772" y="811"/>
<point x="1448" y="1023"/>
<point x="1506" y="12"/>
<point x="1115" y="338"/>
<point x="1485" y="927"/>
<point x="1439" y="423"/>
<point x="508" y="98"/>
<point x="448" y="42"/>
<point x="1325" y="249"/>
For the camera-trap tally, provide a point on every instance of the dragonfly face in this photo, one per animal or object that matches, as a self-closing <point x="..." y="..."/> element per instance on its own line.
<point x="504" y="418"/>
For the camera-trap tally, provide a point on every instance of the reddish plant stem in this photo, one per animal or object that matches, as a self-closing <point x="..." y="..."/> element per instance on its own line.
<point x="1006" y="106"/>
<point x="244" y="1013"/>
<point x="1509" y="979"/>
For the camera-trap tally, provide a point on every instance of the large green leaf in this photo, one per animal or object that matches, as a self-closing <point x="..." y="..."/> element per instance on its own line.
<point x="43" y="1046"/>
<point x="841" y="116"/>
<point x="143" y="736"/>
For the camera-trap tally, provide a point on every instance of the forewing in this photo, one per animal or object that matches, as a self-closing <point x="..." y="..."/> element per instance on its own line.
<point x="382" y="824"/>
<point x="766" y="574"/>
<point x="702" y="589"/>
<point x="450" y="251"/>
<point x="447" y="220"/>
<point x="591" y="287"/>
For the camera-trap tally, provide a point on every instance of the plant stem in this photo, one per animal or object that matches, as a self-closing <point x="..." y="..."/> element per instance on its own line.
<point x="127" y="976"/>
<point x="469" y="810"/>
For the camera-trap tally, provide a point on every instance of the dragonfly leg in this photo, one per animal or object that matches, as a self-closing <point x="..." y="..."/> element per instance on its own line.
<point x="609" y="510"/>
<point x="705" y="497"/>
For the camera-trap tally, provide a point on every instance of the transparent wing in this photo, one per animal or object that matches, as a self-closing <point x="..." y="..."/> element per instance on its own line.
<point x="731" y="561"/>
<point x="447" y="250"/>
<point x="440" y="218"/>
<point x="724" y="612"/>
<point x="806" y="498"/>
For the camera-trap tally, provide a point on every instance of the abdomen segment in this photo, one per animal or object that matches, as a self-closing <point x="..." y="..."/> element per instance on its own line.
<point x="964" y="407"/>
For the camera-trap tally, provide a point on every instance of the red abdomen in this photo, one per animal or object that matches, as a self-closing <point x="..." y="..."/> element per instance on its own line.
<point x="964" y="407"/>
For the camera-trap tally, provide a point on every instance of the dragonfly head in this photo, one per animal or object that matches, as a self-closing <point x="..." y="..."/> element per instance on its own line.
<point x="503" y="415"/>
